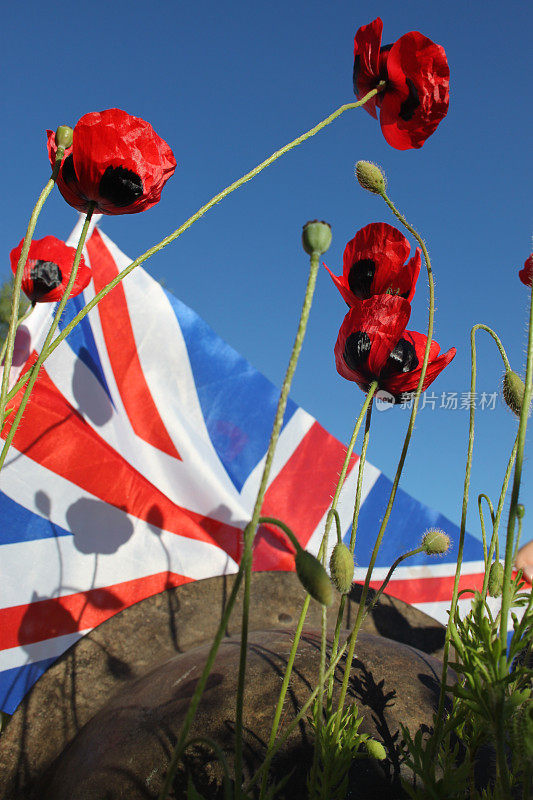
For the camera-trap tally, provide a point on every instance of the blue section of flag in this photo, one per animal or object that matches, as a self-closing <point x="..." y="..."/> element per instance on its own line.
<point x="409" y="520"/>
<point x="81" y="340"/>
<point x="16" y="682"/>
<point x="22" y="525"/>
<point x="238" y="403"/>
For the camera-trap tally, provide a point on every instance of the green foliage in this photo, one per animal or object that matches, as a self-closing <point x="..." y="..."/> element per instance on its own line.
<point x="485" y="750"/>
<point x="335" y="754"/>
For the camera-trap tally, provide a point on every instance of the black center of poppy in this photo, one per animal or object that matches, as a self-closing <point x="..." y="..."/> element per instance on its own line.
<point x="411" y="103"/>
<point x="120" y="186"/>
<point x="402" y="359"/>
<point x="361" y="276"/>
<point x="68" y="174"/>
<point x="45" y="276"/>
<point x="356" y="349"/>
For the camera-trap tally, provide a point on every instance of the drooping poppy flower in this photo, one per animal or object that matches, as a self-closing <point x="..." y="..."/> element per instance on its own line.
<point x="374" y="263"/>
<point x="48" y="268"/>
<point x="116" y="160"/>
<point x="416" y="95"/>
<point x="373" y="345"/>
<point x="526" y="274"/>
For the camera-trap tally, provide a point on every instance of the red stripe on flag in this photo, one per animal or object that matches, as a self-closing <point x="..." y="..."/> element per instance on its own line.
<point x="300" y="495"/>
<point x="122" y="351"/>
<point x="58" y="616"/>
<point x="53" y="434"/>
<point x="431" y="589"/>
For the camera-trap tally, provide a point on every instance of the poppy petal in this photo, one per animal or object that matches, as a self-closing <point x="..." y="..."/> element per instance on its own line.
<point x="417" y="95"/>
<point x="367" y="44"/>
<point x="380" y="321"/>
<point x="48" y="269"/>
<point x="526" y="274"/>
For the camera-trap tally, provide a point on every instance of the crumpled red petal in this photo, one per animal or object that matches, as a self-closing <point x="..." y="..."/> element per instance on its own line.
<point x="407" y="382"/>
<point x="388" y="248"/>
<point x="526" y="274"/>
<point x="366" y="47"/>
<point x="383" y="318"/>
<point x="414" y="59"/>
<point x="111" y="139"/>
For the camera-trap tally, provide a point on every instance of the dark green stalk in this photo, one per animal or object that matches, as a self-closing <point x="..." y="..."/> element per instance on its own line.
<point x="482" y="521"/>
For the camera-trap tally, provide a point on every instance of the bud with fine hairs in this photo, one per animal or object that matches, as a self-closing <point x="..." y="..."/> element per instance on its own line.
<point x="370" y="177"/>
<point x="495" y="582"/>
<point x="313" y="577"/>
<point x="435" y="542"/>
<point x="375" y="749"/>
<point x="513" y="391"/>
<point x="341" y="567"/>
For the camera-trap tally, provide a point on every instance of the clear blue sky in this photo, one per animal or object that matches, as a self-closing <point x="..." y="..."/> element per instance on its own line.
<point x="226" y="84"/>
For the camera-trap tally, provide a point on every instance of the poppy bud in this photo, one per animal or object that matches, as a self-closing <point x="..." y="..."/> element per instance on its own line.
<point x="375" y="749"/>
<point x="64" y="136"/>
<point x="316" y="237"/>
<point x="342" y="568"/>
<point x="513" y="391"/>
<point x="370" y="177"/>
<point x="435" y="542"/>
<point x="520" y="511"/>
<point x="313" y="577"/>
<point x="495" y="583"/>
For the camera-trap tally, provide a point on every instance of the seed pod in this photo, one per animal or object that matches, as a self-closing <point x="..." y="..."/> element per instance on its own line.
<point x="513" y="391"/>
<point x="375" y="749"/>
<point x="341" y="567"/>
<point x="313" y="577"/>
<point x="520" y="511"/>
<point x="495" y="583"/>
<point x="64" y="136"/>
<point x="435" y="542"/>
<point x="316" y="237"/>
<point x="370" y="177"/>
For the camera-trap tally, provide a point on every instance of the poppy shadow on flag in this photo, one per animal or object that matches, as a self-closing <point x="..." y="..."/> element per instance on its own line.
<point x="98" y="527"/>
<point x="91" y="397"/>
<point x="22" y="350"/>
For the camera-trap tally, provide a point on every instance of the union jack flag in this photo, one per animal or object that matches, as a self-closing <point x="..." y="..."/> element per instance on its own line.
<point x="136" y="466"/>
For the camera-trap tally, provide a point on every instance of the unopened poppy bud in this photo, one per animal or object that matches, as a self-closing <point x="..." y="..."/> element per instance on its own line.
<point x="64" y="136"/>
<point x="342" y="568"/>
<point x="435" y="542"/>
<point x="375" y="749"/>
<point x="520" y="511"/>
<point x="316" y="237"/>
<point x="513" y="391"/>
<point x="370" y="177"/>
<point x="313" y="577"/>
<point x="495" y="583"/>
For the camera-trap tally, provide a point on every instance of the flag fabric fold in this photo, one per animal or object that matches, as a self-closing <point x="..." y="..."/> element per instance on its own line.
<point x="135" y="469"/>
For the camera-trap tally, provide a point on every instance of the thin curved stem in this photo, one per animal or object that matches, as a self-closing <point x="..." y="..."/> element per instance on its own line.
<point x="494" y="546"/>
<point x="214" y="200"/>
<point x="403" y="455"/>
<point x="482" y="521"/>
<point x="17" y="282"/>
<point x="360" y="472"/>
<point x="466" y="489"/>
<point x="34" y="372"/>
<point x="387" y="578"/>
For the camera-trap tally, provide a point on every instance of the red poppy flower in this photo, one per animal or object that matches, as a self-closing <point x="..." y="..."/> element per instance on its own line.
<point x="116" y="160"/>
<point x="526" y="274"/>
<point x="373" y="345"/>
<point x="374" y="263"/>
<point x="48" y="268"/>
<point x="417" y="76"/>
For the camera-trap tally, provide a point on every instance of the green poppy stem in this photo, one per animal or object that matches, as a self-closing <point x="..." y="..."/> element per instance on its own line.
<point x="34" y="371"/>
<point x="195" y="217"/>
<point x="17" y="282"/>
